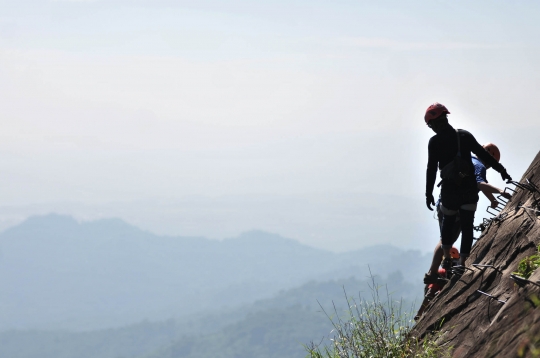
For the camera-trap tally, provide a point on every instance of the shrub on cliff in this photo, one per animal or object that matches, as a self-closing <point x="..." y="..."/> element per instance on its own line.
<point x="528" y="265"/>
<point x="375" y="328"/>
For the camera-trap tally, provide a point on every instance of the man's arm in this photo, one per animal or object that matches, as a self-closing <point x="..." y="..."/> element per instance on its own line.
<point x="485" y="157"/>
<point x="488" y="190"/>
<point x="431" y="174"/>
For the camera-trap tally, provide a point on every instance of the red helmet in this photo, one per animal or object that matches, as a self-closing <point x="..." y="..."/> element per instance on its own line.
<point x="434" y="111"/>
<point x="493" y="150"/>
<point x="454" y="252"/>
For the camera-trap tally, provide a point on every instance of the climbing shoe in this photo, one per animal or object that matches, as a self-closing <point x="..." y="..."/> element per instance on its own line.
<point x="458" y="270"/>
<point x="428" y="279"/>
<point x="447" y="264"/>
<point x="432" y="292"/>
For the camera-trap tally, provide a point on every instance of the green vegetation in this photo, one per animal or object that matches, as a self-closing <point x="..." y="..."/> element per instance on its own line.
<point x="270" y="328"/>
<point x="530" y="346"/>
<point x="527" y="266"/>
<point x="375" y="328"/>
<point x="264" y="334"/>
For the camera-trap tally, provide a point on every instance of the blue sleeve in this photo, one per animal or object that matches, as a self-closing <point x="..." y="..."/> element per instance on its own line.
<point x="479" y="171"/>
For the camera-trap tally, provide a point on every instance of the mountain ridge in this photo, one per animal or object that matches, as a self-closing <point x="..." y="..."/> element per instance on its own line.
<point x="61" y="273"/>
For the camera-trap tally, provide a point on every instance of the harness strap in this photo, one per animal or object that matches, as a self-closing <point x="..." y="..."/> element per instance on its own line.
<point x="458" y="144"/>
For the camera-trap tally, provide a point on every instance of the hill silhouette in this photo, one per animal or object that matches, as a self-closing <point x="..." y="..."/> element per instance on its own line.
<point x="58" y="273"/>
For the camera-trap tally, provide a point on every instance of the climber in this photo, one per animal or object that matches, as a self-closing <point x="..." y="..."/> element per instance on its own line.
<point x="487" y="189"/>
<point x="480" y="173"/>
<point x="433" y="288"/>
<point x="450" y="150"/>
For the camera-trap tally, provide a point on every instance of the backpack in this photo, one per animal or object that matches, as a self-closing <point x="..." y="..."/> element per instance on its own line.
<point x="457" y="169"/>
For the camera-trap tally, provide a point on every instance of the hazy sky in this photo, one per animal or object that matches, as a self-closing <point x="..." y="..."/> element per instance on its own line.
<point x="153" y="102"/>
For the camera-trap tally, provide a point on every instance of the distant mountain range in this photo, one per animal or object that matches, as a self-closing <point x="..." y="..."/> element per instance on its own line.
<point x="57" y="273"/>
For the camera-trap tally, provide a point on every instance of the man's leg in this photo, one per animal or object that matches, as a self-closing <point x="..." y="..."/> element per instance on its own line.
<point x="437" y="259"/>
<point x="466" y="213"/>
<point x="447" y="230"/>
<point x="438" y="253"/>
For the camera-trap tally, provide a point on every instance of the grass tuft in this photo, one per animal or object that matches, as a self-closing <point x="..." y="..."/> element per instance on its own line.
<point x="527" y="266"/>
<point x="375" y="328"/>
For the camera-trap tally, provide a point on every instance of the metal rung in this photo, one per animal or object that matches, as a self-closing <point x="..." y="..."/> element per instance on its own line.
<point x="487" y="222"/>
<point x="517" y="184"/>
<point x="492" y="297"/>
<point x="532" y="185"/>
<point x="521" y="185"/>
<point x="501" y="199"/>
<point x="461" y="267"/>
<point x="499" y="217"/>
<point x="489" y="266"/>
<point x="496" y="209"/>
<point x="522" y="280"/>
<point x="526" y="186"/>
<point x="527" y="208"/>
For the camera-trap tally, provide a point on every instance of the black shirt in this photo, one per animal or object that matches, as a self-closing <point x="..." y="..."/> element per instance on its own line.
<point x="442" y="149"/>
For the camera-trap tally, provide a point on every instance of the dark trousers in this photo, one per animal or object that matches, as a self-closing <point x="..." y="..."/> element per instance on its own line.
<point x="453" y="197"/>
<point x="467" y="223"/>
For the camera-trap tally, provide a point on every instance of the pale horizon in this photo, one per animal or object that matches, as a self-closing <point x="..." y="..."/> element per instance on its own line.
<point x="278" y="116"/>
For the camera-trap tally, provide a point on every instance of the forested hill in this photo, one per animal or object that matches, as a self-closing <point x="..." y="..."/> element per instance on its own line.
<point x="57" y="273"/>
<point x="275" y="327"/>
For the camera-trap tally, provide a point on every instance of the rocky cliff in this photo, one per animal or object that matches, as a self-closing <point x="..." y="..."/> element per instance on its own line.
<point x="488" y="312"/>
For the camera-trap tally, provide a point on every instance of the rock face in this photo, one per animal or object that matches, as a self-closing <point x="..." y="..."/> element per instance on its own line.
<point x="508" y="323"/>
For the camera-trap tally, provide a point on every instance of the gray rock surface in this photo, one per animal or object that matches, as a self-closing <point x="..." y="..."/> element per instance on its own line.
<point x="476" y="325"/>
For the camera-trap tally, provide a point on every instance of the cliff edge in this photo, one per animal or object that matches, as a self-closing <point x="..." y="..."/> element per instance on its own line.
<point x="488" y="312"/>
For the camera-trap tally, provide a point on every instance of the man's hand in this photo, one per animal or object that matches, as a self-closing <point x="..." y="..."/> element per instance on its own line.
<point x="494" y="203"/>
<point x="506" y="176"/>
<point x="430" y="201"/>
<point x="506" y="195"/>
